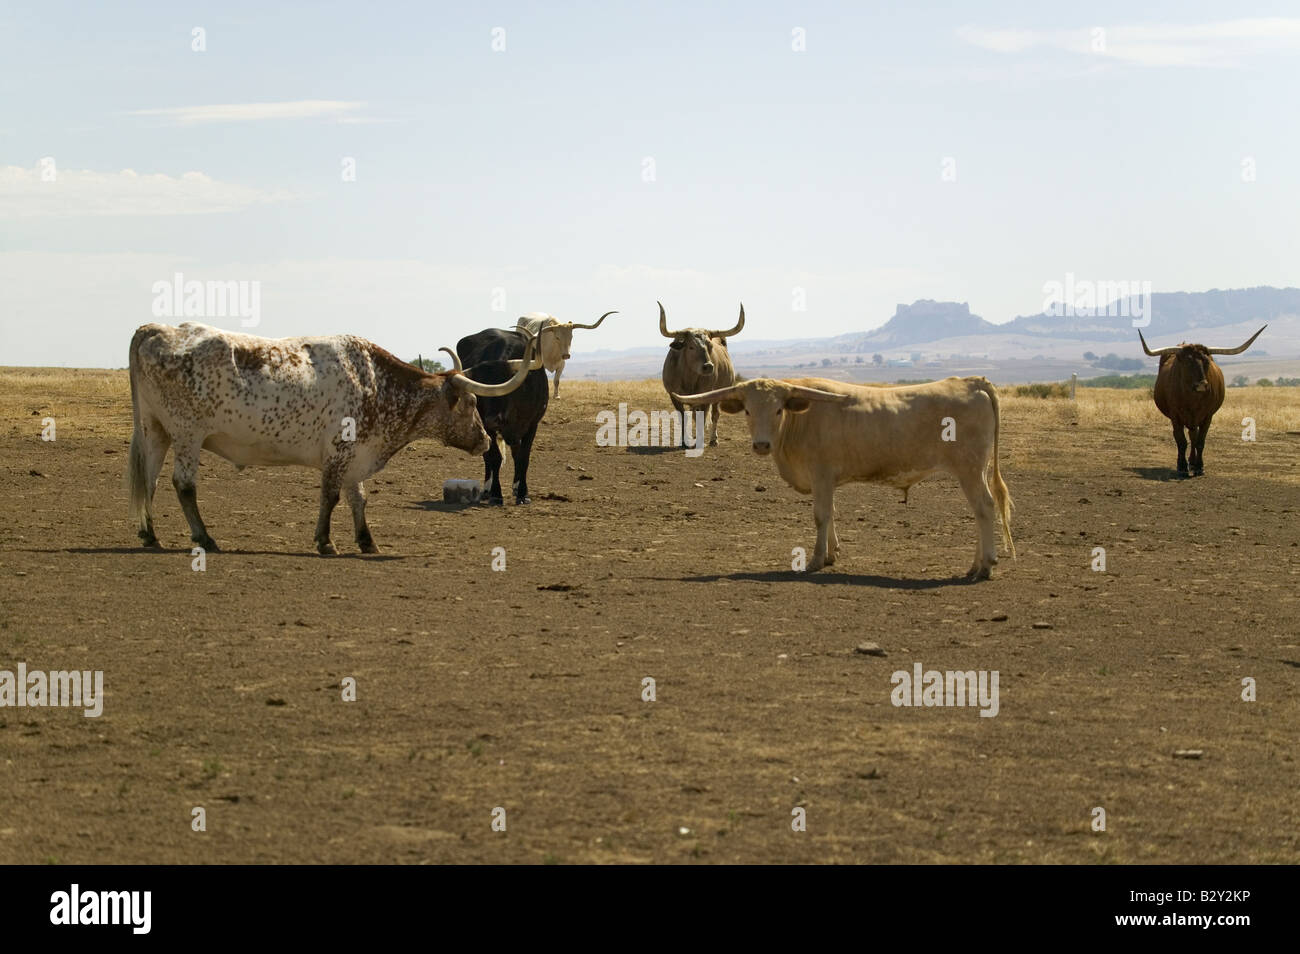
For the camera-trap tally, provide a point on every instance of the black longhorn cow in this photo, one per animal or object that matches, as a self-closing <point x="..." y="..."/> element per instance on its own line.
<point x="492" y="356"/>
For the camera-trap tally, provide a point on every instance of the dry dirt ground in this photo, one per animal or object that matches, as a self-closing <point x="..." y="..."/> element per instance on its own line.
<point x="523" y="690"/>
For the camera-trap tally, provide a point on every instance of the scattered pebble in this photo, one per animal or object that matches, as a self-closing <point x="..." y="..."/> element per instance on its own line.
<point x="1042" y="625"/>
<point x="1189" y="753"/>
<point x="870" y="649"/>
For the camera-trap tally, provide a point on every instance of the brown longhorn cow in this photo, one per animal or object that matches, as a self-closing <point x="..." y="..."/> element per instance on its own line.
<point x="698" y="361"/>
<point x="1189" y="390"/>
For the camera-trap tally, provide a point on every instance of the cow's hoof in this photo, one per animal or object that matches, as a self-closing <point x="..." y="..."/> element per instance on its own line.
<point x="327" y="548"/>
<point x="1198" y="472"/>
<point x="713" y="443"/>
<point x="520" y="501"/>
<point x="977" y="572"/>
<point x="493" y="502"/>
<point x="149" y="541"/>
<point x="367" y="546"/>
<point x="815" y="565"/>
<point x="207" y="543"/>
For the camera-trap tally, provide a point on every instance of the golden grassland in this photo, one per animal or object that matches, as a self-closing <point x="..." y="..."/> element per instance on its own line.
<point x="106" y="395"/>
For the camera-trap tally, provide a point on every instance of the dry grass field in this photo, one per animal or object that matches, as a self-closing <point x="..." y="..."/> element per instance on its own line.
<point x="522" y="689"/>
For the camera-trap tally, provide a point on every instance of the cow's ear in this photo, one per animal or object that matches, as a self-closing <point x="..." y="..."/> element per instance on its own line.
<point x="797" y="404"/>
<point x="451" y="392"/>
<point x="732" y="406"/>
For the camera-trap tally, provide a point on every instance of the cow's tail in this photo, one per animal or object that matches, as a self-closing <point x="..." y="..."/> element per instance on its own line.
<point x="1001" y="496"/>
<point x="140" y="506"/>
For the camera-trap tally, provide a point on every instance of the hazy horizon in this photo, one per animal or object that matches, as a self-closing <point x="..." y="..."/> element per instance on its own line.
<point x="820" y="164"/>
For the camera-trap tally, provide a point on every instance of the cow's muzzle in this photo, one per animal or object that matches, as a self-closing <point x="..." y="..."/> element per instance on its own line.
<point x="762" y="448"/>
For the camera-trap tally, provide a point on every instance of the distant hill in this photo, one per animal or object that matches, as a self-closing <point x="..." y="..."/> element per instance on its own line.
<point x="944" y="335"/>
<point x="921" y="321"/>
<point x="1173" y="315"/>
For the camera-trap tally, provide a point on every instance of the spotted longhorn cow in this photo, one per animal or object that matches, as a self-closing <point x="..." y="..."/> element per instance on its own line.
<point x="339" y="404"/>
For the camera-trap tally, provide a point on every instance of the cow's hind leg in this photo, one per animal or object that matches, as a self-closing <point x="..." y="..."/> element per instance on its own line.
<point x="356" y="495"/>
<point x="717" y="410"/>
<point x="185" y="475"/>
<point x="330" y="484"/>
<point x="1181" y="441"/>
<point x="156" y="442"/>
<point x="976" y="489"/>
<point x="824" y="514"/>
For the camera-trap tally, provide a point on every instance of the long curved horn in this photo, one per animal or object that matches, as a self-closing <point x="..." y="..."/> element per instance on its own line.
<point x="1249" y="341"/>
<point x="734" y="331"/>
<point x="505" y="387"/>
<point x="815" y="394"/>
<point x="663" y="322"/>
<point x="517" y="363"/>
<point x="455" y="359"/>
<point x="1159" y="352"/>
<point x="707" y="397"/>
<point x="722" y="394"/>
<point x="598" y="321"/>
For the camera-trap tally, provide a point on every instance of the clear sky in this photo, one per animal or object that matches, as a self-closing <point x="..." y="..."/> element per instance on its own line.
<point x="613" y="154"/>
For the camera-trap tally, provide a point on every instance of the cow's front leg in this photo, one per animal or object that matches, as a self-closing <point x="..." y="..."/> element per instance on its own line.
<point x="329" y="498"/>
<point x="185" y="476"/>
<point x="683" y="412"/>
<point x="558" y="371"/>
<point x="356" y="495"/>
<point x="492" y="473"/>
<point x="1196" y="437"/>
<point x="824" y="514"/>
<point x="713" y="438"/>
<point x="1181" y="441"/>
<point x="520" y="454"/>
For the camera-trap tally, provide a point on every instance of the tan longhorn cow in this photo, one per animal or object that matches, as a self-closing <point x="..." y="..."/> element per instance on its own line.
<point x="823" y="433"/>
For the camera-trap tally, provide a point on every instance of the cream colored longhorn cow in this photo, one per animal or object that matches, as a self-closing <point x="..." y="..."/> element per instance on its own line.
<point x="822" y="433"/>
<point x="557" y="338"/>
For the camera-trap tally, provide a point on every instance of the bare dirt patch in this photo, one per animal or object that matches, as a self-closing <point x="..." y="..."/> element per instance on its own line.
<point x="523" y="689"/>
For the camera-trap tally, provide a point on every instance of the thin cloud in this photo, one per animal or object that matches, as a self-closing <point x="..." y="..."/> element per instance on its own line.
<point x="252" y="112"/>
<point x="28" y="193"/>
<point x="1218" y="44"/>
